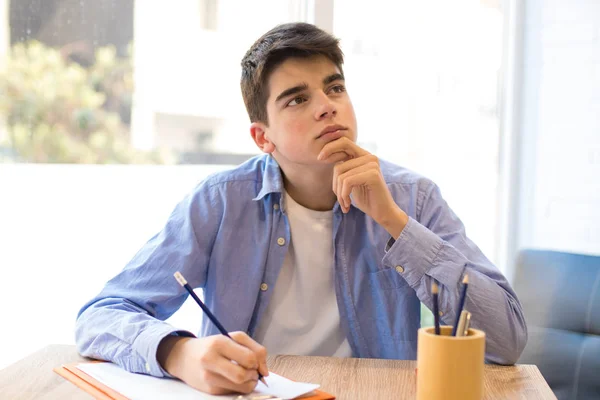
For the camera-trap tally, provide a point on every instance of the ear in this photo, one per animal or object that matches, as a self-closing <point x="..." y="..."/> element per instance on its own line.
<point x="258" y="131"/>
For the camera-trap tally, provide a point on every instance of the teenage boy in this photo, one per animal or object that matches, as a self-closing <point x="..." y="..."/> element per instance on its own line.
<point x="316" y="247"/>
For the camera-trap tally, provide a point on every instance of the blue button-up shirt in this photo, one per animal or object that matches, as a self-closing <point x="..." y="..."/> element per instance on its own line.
<point x="230" y="235"/>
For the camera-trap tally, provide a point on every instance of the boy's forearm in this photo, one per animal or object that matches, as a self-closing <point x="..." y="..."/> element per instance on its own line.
<point x="495" y="309"/>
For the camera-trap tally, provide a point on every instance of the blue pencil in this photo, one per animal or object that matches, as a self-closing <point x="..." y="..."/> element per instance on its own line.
<point x="461" y="303"/>
<point x="209" y="314"/>
<point x="436" y="310"/>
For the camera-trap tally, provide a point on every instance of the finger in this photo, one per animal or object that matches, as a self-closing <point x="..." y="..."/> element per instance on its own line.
<point x="336" y="157"/>
<point x="342" y="145"/>
<point x="364" y="175"/>
<point x="234" y="351"/>
<point x="215" y="383"/>
<point x="260" y="352"/>
<point x="357" y="170"/>
<point x="346" y="166"/>
<point x="343" y="205"/>
<point x="351" y="183"/>
<point x="232" y="371"/>
<point x="343" y="167"/>
<point x="334" y="182"/>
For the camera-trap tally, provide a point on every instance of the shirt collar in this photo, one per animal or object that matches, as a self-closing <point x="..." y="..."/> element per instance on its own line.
<point x="272" y="181"/>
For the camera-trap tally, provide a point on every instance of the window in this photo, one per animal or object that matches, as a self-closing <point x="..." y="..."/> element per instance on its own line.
<point x="156" y="83"/>
<point x="151" y="83"/>
<point x="423" y="77"/>
<point x="99" y="82"/>
<point x="208" y="15"/>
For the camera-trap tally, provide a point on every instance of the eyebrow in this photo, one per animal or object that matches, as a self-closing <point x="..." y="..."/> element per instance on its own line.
<point x="333" y="78"/>
<point x="290" y="91"/>
<point x="299" y="88"/>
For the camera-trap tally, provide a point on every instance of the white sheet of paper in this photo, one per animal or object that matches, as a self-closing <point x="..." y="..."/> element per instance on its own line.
<point x="283" y="387"/>
<point x="144" y="387"/>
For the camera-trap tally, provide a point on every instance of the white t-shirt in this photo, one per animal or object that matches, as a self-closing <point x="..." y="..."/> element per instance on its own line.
<point x="302" y="317"/>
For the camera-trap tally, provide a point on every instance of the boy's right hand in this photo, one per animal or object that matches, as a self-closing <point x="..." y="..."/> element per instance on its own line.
<point x="214" y="364"/>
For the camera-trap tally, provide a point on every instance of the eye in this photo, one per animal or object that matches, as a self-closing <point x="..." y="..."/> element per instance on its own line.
<point x="338" y="89"/>
<point x="296" y="101"/>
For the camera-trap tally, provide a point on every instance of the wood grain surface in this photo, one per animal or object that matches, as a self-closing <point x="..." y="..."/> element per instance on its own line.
<point x="346" y="378"/>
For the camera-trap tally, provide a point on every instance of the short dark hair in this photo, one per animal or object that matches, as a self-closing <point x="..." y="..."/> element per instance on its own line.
<point x="285" y="41"/>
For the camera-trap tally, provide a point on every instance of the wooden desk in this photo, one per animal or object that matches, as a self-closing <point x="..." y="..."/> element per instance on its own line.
<point x="350" y="378"/>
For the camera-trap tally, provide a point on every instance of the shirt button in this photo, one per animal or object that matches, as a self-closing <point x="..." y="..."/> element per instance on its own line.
<point x="275" y="207"/>
<point x="264" y="287"/>
<point x="281" y="241"/>
<point x="399" y="269"/>
<point x="147" y="367"/>
<point x="441" y="313"/>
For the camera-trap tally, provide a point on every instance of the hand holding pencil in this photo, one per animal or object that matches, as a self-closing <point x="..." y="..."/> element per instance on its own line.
<point x="218" y="364"/>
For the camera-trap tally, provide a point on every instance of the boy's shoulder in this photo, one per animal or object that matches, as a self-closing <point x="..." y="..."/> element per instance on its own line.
<point x="394" y="174"/>
<point x="248" y="176"/>
<point x="250" y="170"/>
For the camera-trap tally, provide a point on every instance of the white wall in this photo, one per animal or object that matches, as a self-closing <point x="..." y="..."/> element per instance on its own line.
<point x="65" y="230"/>
<point x="560" y="126"/>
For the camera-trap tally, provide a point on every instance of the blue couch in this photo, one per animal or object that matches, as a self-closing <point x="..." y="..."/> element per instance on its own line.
<point x="560" y="294"/>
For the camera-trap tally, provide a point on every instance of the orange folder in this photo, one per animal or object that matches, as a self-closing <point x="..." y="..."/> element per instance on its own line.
<point x="102" y="392"/>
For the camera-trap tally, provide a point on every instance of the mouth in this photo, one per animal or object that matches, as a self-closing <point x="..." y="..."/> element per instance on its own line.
<point x="332" y="132"/>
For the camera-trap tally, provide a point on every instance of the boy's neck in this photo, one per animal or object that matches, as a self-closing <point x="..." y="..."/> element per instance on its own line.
<point x="311" y="188"/>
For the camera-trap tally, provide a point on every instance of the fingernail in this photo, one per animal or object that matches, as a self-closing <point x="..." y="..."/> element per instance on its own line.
<point x="320" y="156"/>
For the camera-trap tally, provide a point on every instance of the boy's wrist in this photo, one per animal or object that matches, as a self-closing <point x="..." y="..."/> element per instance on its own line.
<point x="394" y="221"/>
<point x="166" y="354"/>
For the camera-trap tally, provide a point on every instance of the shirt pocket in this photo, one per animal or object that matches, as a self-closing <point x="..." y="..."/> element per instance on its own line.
<point x="387" y="279"/>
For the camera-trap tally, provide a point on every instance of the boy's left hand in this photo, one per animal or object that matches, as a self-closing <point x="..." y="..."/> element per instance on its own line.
<point x="357" y="173"/>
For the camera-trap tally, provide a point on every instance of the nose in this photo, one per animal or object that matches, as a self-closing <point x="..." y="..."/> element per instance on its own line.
<point x="325" y="107"/>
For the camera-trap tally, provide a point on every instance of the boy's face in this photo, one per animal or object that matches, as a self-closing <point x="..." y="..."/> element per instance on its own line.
<point x="308" y="107"/>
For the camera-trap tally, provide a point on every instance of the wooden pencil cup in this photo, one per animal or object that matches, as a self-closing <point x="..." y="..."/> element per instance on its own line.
<point x="450" y="367"/>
